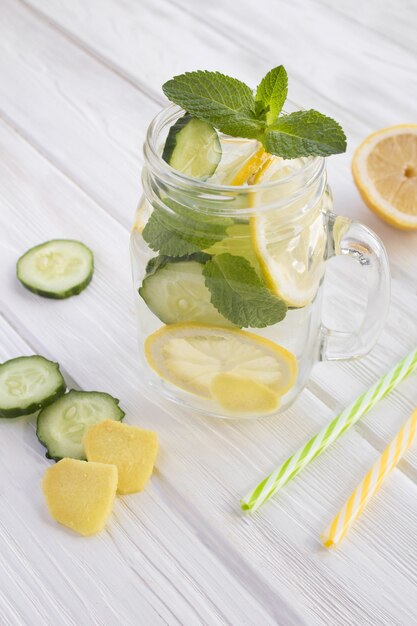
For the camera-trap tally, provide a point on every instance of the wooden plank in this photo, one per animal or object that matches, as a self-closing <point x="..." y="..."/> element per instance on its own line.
<point x="273" y="556"/>
<point x="349" y="80"/>
<point x="79" y="115"/>
<point x="392" y="21"/>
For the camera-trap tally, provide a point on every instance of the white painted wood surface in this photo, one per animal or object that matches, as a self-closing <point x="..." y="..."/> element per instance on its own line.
<point x="79" y="83"/>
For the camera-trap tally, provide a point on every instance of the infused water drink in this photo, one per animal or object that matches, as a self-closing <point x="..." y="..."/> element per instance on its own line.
<point x="228" y="252"/>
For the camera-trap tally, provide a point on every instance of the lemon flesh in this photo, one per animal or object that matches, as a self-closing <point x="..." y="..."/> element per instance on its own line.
<point x="384" y="169"/>
<point x="241" y="395"/>
<point x="190" y="356"/>
<point x="240" y="159"/>
<point x="291" y="254"/>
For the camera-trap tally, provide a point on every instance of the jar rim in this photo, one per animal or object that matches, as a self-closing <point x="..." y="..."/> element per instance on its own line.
<point x="169" y="115"/>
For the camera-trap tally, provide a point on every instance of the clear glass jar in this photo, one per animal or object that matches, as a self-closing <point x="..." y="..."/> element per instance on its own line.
<point x="284" y="230"/>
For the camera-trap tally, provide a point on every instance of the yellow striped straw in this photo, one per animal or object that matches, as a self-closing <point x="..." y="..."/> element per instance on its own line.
<point x="370" y="484"/>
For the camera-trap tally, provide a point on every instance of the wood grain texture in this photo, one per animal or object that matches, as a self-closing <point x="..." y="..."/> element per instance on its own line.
<point x="80" y="82"/>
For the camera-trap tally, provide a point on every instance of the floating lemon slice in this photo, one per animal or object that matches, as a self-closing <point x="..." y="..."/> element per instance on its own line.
<point x="238" y="394"/>
<point x="240" y="160"/>
<point x="250" y="167"/>
<point x="291" y="257"/>
<point x="384" y="168"/>
<point x="190" y="356"/>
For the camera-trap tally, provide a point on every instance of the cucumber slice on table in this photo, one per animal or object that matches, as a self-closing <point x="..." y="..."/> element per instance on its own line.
<point x="28" y="384"/>
<point x="59" y="268"/>
<point x="61" y="426"/>
<point x="193" y="147"/>
<point x="175" y="291"/>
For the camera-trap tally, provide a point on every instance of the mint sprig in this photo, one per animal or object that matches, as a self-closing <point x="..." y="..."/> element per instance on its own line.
<point x="238" y="293"/>
<point x="224" y="102"/>
<point x="272" y="93"/>
<point x="231" y="106"/>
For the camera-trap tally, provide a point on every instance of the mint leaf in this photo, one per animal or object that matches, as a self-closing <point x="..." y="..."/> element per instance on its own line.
<point x="177" y="231"/>
<point x="230" y="106"/>
<point x="272" y="93"/>
<point x="304" y="133"/>
<point x="238" y="293"/>
<point x="222" y="101"/>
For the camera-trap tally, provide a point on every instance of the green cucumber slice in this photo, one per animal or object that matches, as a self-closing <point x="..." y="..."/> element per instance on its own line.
<point x="61" y="426"/>
<point x="175" y="291"/>
<point x="27" y="384"/>
<point x="193" y="147"/>
<point x="59" y="268"/>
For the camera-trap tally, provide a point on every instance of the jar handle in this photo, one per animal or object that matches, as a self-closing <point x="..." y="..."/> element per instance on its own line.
<point x="349" y="238"/>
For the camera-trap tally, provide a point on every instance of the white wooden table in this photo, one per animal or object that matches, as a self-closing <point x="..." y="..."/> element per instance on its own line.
<point x="79" y="83"/>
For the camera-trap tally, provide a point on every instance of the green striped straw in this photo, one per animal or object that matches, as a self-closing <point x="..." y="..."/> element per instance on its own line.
<point x="320" y="442"/>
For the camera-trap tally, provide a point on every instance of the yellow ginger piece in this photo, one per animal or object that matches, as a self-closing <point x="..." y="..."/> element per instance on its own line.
<point x="241" y="395"/>
<point x="80" y="495"/>
<point x="131" y="449"/>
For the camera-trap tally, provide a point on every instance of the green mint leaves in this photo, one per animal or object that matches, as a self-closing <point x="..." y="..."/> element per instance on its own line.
<point x="230" y="106"/>
<point x="236" y="290"/>
<point x="235" y="283"/>
<point x="224" y="102"/>
<point x="304" y="133"/>
<point x="272" y="93"/>
<point x="178" y="231"/>
<point x="238" y="293"/>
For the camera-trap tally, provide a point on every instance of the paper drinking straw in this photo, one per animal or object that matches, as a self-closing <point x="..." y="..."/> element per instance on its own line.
<point x="320" y="442"/>
<point x="370" y="484"/>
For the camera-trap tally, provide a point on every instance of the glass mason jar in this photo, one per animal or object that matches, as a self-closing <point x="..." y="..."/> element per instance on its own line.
<point x="228" y="283"/>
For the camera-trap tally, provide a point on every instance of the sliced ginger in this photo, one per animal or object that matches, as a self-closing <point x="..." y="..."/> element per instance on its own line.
<point x="240" y="395"/>
<point x="132" y="450"/>
<point x="80" y="495"/>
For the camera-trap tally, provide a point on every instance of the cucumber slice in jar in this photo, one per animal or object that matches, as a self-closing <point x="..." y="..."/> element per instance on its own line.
<point x="27" y="384"/>
<point x="61" y="426"/>
<point x="59" y="268"/>
<point x="175" y="291"/>
<point x="193" y="147"/>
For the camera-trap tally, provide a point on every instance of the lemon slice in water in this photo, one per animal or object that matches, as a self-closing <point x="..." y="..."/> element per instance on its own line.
<point x="241" y="395"/>
<point x="191" y="356"/>
<point x="291" y="255"/>
<point x="240" y="160"/>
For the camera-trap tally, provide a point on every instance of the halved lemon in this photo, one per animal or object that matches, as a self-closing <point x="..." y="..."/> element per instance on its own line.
<point x="384" y="169"/>
<point x="290" y="254"/>
<point x="190" y="356"/>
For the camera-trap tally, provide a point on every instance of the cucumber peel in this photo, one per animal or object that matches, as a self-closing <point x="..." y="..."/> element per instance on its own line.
<point x="27" y="384"/>
<point x="61" y="426"/>
<point x="57" y="269"/>
<point x="174" y="290"/>
<point x="193" y="147"/>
